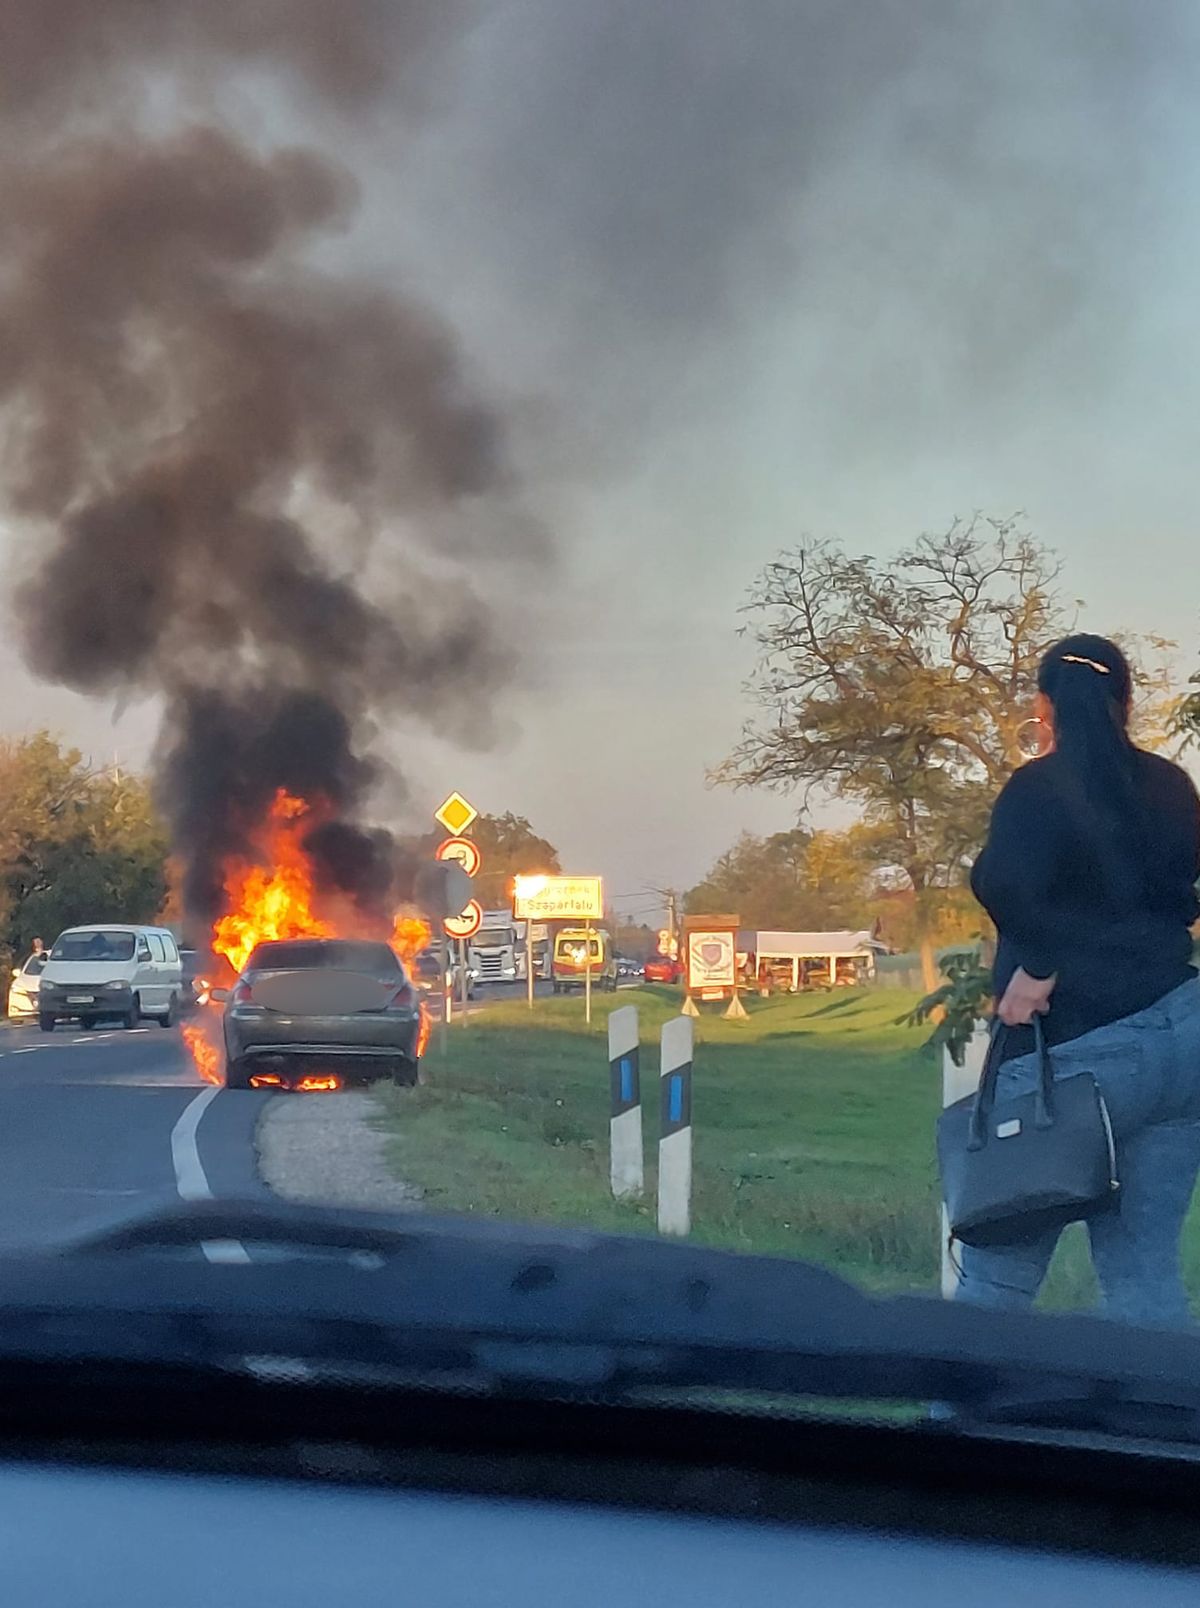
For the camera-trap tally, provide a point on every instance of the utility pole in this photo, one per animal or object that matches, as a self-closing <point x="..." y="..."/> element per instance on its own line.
<point x="671" y="899"/>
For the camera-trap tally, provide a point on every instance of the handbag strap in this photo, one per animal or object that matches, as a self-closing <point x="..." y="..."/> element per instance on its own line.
<point x="985" y="1095"/>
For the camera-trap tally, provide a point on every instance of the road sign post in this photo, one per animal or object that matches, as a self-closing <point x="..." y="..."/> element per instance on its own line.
<point x="529" y="960"/>
<point x="459" y="859"/>
<point x="675" y="1128"/>
<point x="538" y="898"/>
<point x="447" y="993"/>
<point x="626" y="1160"/>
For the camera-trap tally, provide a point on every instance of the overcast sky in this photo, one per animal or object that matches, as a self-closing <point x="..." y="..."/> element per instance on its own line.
<point x="745" y="272"/>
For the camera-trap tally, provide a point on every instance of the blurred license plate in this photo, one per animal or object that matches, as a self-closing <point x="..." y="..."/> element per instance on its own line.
<point x="81" y="999"/>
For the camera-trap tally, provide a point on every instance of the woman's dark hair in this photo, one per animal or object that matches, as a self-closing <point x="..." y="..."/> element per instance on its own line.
<point x="1088" y="681"/>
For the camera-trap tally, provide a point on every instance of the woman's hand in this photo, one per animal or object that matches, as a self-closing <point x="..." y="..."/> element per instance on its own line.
<point x="1024" y="998"/>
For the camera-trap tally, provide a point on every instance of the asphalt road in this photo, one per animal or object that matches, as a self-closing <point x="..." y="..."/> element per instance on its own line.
<point x="97" y="1125"/>
<point x="94" y="1125"/>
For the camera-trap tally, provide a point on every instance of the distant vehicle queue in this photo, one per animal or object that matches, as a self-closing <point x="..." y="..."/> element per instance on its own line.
<point x="126" y="974"/>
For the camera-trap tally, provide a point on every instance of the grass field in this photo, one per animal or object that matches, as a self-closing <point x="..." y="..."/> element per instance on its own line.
<point x="813" y="1123"/>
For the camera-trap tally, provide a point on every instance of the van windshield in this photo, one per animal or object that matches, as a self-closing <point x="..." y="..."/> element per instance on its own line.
<point x="93" y="946"/>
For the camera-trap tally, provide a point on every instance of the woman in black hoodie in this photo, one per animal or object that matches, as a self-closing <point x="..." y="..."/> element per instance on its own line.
<point x="1089" y="873"/>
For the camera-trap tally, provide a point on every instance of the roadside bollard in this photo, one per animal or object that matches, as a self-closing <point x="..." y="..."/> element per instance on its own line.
<point x="957" y="1083"/>
<point x="626" y="1162"/>
<point x="675" y="1129"/>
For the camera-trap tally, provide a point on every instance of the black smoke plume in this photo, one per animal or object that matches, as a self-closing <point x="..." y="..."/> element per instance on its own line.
<point x="195" y="414"/>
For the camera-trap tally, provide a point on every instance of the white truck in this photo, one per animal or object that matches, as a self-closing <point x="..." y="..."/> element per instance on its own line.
<point x="497" y="951"/>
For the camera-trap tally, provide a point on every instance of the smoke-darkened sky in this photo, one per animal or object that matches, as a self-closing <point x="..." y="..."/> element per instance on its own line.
<point x="735" y="273"/>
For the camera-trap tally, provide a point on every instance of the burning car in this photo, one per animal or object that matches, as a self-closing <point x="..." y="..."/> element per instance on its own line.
<point x="311" y="1013"/>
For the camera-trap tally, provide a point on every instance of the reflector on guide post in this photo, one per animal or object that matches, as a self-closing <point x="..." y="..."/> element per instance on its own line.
<point x="626" y="1162"/>
<point x="675" y="1128"/>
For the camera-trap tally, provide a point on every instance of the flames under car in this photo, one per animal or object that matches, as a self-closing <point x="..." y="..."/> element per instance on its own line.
<point x="314" y="1013"/>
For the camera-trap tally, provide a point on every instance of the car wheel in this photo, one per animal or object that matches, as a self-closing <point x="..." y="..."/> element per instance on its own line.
<point x="46" y="1023"/>
<point x="87" y="1023"/>
<point x="405" y="1073"/>
<point x="171" y="1015"/>
<point x="133" y="1015"/>
<point x="237" y="1074"/>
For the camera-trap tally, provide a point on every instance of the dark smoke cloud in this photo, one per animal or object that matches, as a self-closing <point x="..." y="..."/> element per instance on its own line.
<point x="191" y="407"/>
<point x="925" y="198"/>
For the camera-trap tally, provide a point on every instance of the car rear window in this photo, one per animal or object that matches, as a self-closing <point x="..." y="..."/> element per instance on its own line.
<point x="93" y="946"/>
<point x="341" y="954"/>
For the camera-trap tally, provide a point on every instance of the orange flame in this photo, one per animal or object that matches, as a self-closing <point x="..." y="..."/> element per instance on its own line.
<point x="410" y="935"/>
<point x="316" y="1083"/>
<point x="272" y="898"/>
<point x="205" y="1056"/>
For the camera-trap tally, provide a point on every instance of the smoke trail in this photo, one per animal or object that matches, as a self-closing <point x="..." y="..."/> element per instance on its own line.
<point x="191" y="408"/>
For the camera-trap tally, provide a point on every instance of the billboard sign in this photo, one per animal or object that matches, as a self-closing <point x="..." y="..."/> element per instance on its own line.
<point x="558" y="899"/>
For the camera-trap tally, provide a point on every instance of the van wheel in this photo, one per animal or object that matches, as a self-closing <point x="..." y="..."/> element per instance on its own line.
<point x="171" y="1015"/>
<point x="46" y="1023"/>
<point x="87" y="1023"/>
<point x="133" y="1015"/>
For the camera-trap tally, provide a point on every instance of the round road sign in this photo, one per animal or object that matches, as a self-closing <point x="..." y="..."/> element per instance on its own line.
<point x="465" y="925"/>
<point x="462" y="851"/>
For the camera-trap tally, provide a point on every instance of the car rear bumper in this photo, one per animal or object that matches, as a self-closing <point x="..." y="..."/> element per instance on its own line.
<point x="364" y="1036"/>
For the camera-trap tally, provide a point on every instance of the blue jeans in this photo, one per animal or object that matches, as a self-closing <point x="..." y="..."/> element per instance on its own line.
<point x="1148" y="1069"/>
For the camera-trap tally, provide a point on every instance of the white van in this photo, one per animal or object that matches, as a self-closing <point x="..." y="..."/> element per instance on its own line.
<point x="99" y="973"/>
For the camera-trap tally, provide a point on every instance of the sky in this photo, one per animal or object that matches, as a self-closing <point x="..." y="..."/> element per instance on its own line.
<point x="741" y="274"/>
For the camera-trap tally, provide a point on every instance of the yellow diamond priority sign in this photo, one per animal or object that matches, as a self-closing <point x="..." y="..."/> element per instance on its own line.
<point x="455" y="814"/>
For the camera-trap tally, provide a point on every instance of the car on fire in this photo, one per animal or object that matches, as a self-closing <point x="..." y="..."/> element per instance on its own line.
<point x="314" y="1013"/>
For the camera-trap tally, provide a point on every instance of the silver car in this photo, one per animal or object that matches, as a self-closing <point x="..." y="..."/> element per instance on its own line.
<point x="311" y="1013"/>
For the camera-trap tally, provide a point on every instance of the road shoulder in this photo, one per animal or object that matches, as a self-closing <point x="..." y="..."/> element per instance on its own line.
<point x="327" y="1150"/>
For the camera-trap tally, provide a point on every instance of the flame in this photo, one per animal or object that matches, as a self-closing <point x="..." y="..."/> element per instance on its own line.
<point x="205" y="1055"/>
<point x="316" y="1083"/>
<point x="410" y="935"/>
<point x="271" y="898"/>
<point x="424" y="1025"/>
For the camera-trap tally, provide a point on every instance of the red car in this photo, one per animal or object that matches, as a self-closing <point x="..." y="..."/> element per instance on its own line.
<point x="662" y="969"/>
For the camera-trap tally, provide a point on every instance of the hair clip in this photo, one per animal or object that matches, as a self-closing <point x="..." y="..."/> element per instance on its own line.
<point x="1092" y="664"/>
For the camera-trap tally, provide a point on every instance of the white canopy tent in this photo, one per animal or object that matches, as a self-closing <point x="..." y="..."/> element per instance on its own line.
<point x="801" y="946"/>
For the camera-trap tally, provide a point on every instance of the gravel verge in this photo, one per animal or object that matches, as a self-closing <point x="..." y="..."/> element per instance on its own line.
<point x="325" y="1151"/>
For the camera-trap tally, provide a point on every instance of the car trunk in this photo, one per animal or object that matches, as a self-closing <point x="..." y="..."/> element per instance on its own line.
<point x="322" y="992"/>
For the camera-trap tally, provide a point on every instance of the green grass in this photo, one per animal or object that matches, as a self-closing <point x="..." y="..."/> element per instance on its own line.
<point x="813" y="1122"/>
<point x="813" y="1126"/>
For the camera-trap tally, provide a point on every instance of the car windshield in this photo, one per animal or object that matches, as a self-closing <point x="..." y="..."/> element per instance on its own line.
<point x="491" y="488"/>
<point x="332" y="954"/>
<point x="99" y="946"/>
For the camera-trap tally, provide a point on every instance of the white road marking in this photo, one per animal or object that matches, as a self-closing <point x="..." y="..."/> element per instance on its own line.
<point x="190" y="1178"/>
<point x="31" y="1049"/>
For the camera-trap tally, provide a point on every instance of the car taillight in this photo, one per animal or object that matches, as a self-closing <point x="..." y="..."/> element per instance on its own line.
<point x="242" y="994"/>
<point x="403" y="999"/>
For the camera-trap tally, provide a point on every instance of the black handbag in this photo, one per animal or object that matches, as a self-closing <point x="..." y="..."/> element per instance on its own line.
<point x="1012" y="1169"/>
